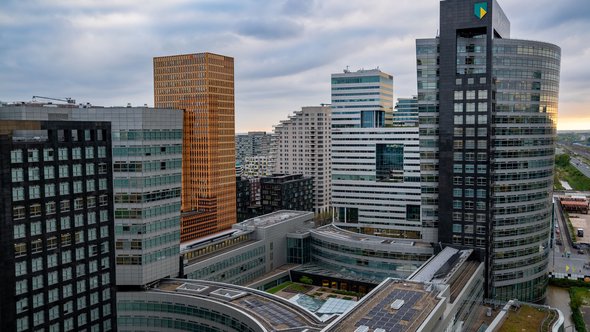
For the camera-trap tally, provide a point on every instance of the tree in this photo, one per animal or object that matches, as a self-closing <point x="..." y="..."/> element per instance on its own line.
<point x="562" y="160"/>
<point x="306" y="280"/>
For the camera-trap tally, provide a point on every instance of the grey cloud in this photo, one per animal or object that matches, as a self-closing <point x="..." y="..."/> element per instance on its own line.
<point x="269" y="28"/>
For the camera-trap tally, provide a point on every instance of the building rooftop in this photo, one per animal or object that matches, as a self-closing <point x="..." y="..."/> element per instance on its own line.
<point x="272" y="218"/>
<point x="273" y="312"/>
<point x="395" y="305"/>
<point x="334" y="231"/>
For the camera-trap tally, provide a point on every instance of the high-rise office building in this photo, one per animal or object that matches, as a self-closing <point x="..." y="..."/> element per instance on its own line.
<point x="203" y="86"/>
<point x="405" y="112"/>
<point x="489" y="104"/>
<point x="147" y="160"/>
<point x="252" y="144"/>
<point x="301" y="145"/>
<point x="56" y="218"/>
<point x="375" y="166"/>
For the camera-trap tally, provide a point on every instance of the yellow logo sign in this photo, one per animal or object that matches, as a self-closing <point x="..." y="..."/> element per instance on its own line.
<point x="480" y="9"/>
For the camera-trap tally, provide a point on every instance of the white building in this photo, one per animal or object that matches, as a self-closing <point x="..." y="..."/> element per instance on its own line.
<point x="301" y="145"/>
<point x="257" y="166"/>
<point x="375" y="166"/>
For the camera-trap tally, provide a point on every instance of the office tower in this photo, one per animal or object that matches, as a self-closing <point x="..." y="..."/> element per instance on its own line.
<point x="56" y="216"/>
<point x="147" y="160"/>
<point x="203" y="86"/>
<point x="301" y="145"/>
<point x="286" y="192"/>
<point x="497" y="109"/>
<point x="252" y="144"/>
<point x="405" y="112"/>
<point x="375" y="166"/>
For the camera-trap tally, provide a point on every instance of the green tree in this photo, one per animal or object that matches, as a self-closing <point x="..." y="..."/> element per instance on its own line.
<point x="306" y="280"/>
<point x="562" y="160"/>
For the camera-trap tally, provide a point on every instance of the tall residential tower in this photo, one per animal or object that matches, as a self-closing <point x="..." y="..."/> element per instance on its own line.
<point x="203" y="86"/>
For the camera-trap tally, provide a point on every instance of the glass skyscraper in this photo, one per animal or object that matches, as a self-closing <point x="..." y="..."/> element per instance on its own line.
<point x="488" y="108"/>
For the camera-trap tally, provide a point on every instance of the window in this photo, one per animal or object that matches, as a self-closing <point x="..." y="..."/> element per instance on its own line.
<point x="33" y="155"/>
<point x="20" y="249"/>
<point x="458" y="119"/>
<point x="89" y="169"/>
<point x="34" y="192"/>
<point x="35" y="210"/>
<point x="64" y="206"/>
<point x="35" y="228"/>
<point x="77" y="187"/>
<point x="482" y="94"/>
<point x="17" y="175"/>
<point x="51" y="260"/>
<point x="470" y="94"/>
<point x="18" y="194"/>
<point x="470" y="107"/>
<point x="90" y="185"/>
<point x="21" y="287"/>
<point x="16" y="156"/>
<point x="50" y="190"/>
<point x="18" y="212"/>
<point x="19" y="231"/>
<point x="77" y="170"/>
<point x="53" y="294"/>
<point x="78" y="220"/>
<point x="37" y="282"/>
<point x="102" y="168"/>
<point x="65" y="222"/>
<point x="102" y="152"/>
<point x="38" y="300"/>
<point x="102" y="184"/>
<point x="63" y="171"/>
<point x="482" y="119"/>
<point x="458" y="95"/>
<point x="89" y="153"/>
<point x="62" y="154"/>
<point x="49" y="208"/>
<point x="87" y="135"/>
<point x="67" y="290"/>
<point x="33" y="173"/>
<point x="64" y="188"/>
<point x="48" y="172"/>
<point x="66" y="257"/>
<point x="22" y="305"/>
<point x="76" y="153"/>
<point x="50" y="224"/>
<point x="48" y="154"/>
<point x="20" y="268"/>
<point x="457" y="192"/>
<point x="78" y="204"/>
<point x="482" y="107"/>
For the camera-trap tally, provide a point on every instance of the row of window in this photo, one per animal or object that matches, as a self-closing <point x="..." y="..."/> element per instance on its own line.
<point x="78" y="187"/>
<point x="32" y="155"/>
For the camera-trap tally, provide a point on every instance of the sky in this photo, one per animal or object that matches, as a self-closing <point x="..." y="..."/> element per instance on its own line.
<point x="100" y="51"/>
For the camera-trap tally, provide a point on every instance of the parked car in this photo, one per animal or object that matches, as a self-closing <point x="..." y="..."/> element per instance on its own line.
<point x="581" y="251"/>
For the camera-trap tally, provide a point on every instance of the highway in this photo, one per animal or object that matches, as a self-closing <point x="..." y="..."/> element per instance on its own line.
<point x="581" y="166"/>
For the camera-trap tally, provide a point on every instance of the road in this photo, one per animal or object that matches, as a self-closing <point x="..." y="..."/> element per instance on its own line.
<point x="581" y="166"/>
<point x="558" y="260"/>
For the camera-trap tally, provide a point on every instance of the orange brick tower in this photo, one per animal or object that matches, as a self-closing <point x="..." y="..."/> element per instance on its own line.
<point x="202" y="85"/>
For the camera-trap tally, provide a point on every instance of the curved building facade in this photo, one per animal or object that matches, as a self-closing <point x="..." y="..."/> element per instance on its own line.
<point x="526" y="77"/>
<point x="497" y="107"/>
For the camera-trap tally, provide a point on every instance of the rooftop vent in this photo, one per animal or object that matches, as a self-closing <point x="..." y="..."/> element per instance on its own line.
<point x="397" y="304"/>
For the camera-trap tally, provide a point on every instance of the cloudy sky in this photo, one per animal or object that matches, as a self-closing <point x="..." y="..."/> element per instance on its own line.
<point x="100" y="51"/>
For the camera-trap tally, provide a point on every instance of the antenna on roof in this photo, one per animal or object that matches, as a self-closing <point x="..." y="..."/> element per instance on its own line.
<point x="346" y="71"/>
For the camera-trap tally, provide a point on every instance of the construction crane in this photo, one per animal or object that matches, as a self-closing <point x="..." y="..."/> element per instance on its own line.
<point x="67" y="100"/>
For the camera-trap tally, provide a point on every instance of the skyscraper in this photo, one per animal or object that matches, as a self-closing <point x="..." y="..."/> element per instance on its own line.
<point x="375" y="166"/>
<point x="56" y="219"/>
<point x="301" y="145"/>
<point x="146" y="166"/>
<point x="497" y="106"/>
<point x="203" y="86"/>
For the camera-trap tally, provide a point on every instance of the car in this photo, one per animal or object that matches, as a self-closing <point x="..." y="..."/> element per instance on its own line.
<point x="558" y="242"/>
<point x="581" y="251"/>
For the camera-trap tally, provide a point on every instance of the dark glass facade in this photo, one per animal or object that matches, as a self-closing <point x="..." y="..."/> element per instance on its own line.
<point x="57" y="230"/>
<point x="286" y="192"/>
<point x="496" y="100"/>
